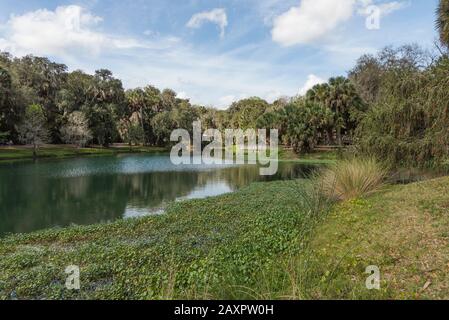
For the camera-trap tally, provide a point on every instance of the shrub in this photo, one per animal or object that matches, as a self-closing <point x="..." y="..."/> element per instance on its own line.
<point x="349" y="179"/>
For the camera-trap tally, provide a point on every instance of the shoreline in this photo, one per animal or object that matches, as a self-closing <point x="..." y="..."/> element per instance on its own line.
<point x="248" y="237"/>
<point x="19" y="153"/>
<point x="24" y="153"/>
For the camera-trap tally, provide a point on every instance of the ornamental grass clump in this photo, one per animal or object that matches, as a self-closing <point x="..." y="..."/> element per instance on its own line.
<point x="350" y="179"/>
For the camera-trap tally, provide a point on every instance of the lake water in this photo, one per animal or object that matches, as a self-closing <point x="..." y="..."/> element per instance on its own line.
<point x="82" y="191"/>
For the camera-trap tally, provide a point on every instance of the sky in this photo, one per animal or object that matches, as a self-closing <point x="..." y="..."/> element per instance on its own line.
<point x="214" y="52"/>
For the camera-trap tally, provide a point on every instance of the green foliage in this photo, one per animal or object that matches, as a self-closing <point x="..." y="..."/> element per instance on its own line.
<point x="340" y="97"/>
<point x="244" y="113"/>
<point x="163" y="125"/>
<point x="392" y="105"/>
<point x="366" y="77"/>
<point x="39" y="80"/>
<point x="408" y="123"/>
<point x="135" y="134"/>
<point x="4" y="137"/>
<point x="307" y="123"/>
<point x="10" y="114"/>
<point x="442" y="22"/>
<point x="76" y="130"/>
<point x="33" y="129"/>
<point x="209" y="248"/>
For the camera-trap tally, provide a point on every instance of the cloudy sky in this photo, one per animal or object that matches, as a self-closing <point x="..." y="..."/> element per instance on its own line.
<point x="214" y="51"/>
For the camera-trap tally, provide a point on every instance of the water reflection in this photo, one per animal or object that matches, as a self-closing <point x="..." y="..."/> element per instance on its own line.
<point x="84" y="191"/>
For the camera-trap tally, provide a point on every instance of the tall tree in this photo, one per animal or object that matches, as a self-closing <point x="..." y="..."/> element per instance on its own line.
<point x="74" y="94"/>
<point x="443" y="22"/>
<point x="367" y="77"/>
<point x="346" y="104"/>
<point x="33" y="129"/>
<point x="341" y="97"/>
<point x="6" y="106"/>
<point x="168" y="99"/>
<point x="136" y="100"/>
<point x="105" y="105"/>
<point x="244" y="113"/>
<point x="306" y="124"/>
<point x="42" y="79"/>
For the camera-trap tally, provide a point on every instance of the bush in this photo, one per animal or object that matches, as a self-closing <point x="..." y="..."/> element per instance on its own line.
<point x="349" y="179"/>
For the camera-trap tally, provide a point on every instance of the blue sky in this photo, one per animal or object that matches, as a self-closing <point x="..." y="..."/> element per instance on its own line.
<point x="214" y="51"/>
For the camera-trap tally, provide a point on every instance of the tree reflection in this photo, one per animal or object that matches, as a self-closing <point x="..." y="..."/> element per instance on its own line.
<point x="32" y="199"/>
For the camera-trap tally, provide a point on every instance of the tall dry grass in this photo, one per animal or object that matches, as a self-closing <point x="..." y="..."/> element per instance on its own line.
<point x="350" y="179"/>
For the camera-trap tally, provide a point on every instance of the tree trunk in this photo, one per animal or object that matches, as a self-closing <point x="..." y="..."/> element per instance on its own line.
<point x="34" y="151"/>
<point x="330" y="136"/>
<point x="143" y="128"/>
<point x="340" y="140"/>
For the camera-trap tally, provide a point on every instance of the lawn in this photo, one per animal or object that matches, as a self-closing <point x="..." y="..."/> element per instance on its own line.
<point x="64" y="151"/>
<point x="318" y="157"/>
<point x="403" y="230"/>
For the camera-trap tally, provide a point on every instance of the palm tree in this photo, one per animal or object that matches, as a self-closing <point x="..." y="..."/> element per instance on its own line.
<point x="319" y="93"/>
<point x="137" y="103"/>
<point x="343" y="101"/>
<point x="5" y="85"/>
<point x="443" y="22"/>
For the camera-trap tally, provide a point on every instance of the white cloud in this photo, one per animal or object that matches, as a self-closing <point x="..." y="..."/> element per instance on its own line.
<point x="217" y="16"/>
<point x="314" y="19"/>
<point x="64" y="31"/>
<point x="206" y="77"/>
<point x="312" y="80"/>
<point x="311" y="20"/>
<point x="71" y="35"/>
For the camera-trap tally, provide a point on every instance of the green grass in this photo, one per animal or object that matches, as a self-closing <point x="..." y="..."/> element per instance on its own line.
<point x="62" y="151"/>
<point x="321" y="157"/>
<point x="404" y="231"/>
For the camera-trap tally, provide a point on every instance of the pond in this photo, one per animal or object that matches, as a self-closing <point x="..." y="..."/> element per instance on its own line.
<point x="82" y="191"/>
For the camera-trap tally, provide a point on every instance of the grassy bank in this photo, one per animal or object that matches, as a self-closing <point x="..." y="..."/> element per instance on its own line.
<point x="404" y="231"/>
<point x="64" y="151"/>
<point x="318" y="157"/>
<point x="259" y="243"/>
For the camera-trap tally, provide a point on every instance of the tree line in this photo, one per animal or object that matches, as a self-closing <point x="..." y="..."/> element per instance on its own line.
<point x="42" y="102"/>
<point x="393" y="105"/>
